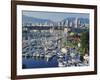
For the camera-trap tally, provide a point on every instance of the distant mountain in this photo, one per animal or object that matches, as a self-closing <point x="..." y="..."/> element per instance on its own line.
<point x="27" y="19"/>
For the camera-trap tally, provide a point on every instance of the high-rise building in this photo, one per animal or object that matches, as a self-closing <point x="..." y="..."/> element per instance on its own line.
<point x="76" y="22"/>
<point x="66" y="23"/>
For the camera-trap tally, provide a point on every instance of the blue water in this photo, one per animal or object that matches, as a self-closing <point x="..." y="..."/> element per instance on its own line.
<point x="39" y="63"/>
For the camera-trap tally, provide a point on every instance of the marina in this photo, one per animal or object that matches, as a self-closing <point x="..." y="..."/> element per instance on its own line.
<point x="55" y="44"/>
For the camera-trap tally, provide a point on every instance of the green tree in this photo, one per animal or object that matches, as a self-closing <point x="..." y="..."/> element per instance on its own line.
<point x="85" y="42"/>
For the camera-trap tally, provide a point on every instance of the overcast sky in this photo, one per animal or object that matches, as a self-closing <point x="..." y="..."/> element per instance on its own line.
<point x="54" y="16"/>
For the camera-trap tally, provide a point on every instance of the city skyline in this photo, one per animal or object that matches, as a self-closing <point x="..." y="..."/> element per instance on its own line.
<point x="54" y="16"/>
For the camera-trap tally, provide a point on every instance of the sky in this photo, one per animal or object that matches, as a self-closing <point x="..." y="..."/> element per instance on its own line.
<point x="54" y="16"/>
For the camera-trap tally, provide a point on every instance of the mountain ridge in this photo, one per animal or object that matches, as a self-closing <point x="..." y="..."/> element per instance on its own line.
<point x="27" y="19"/>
